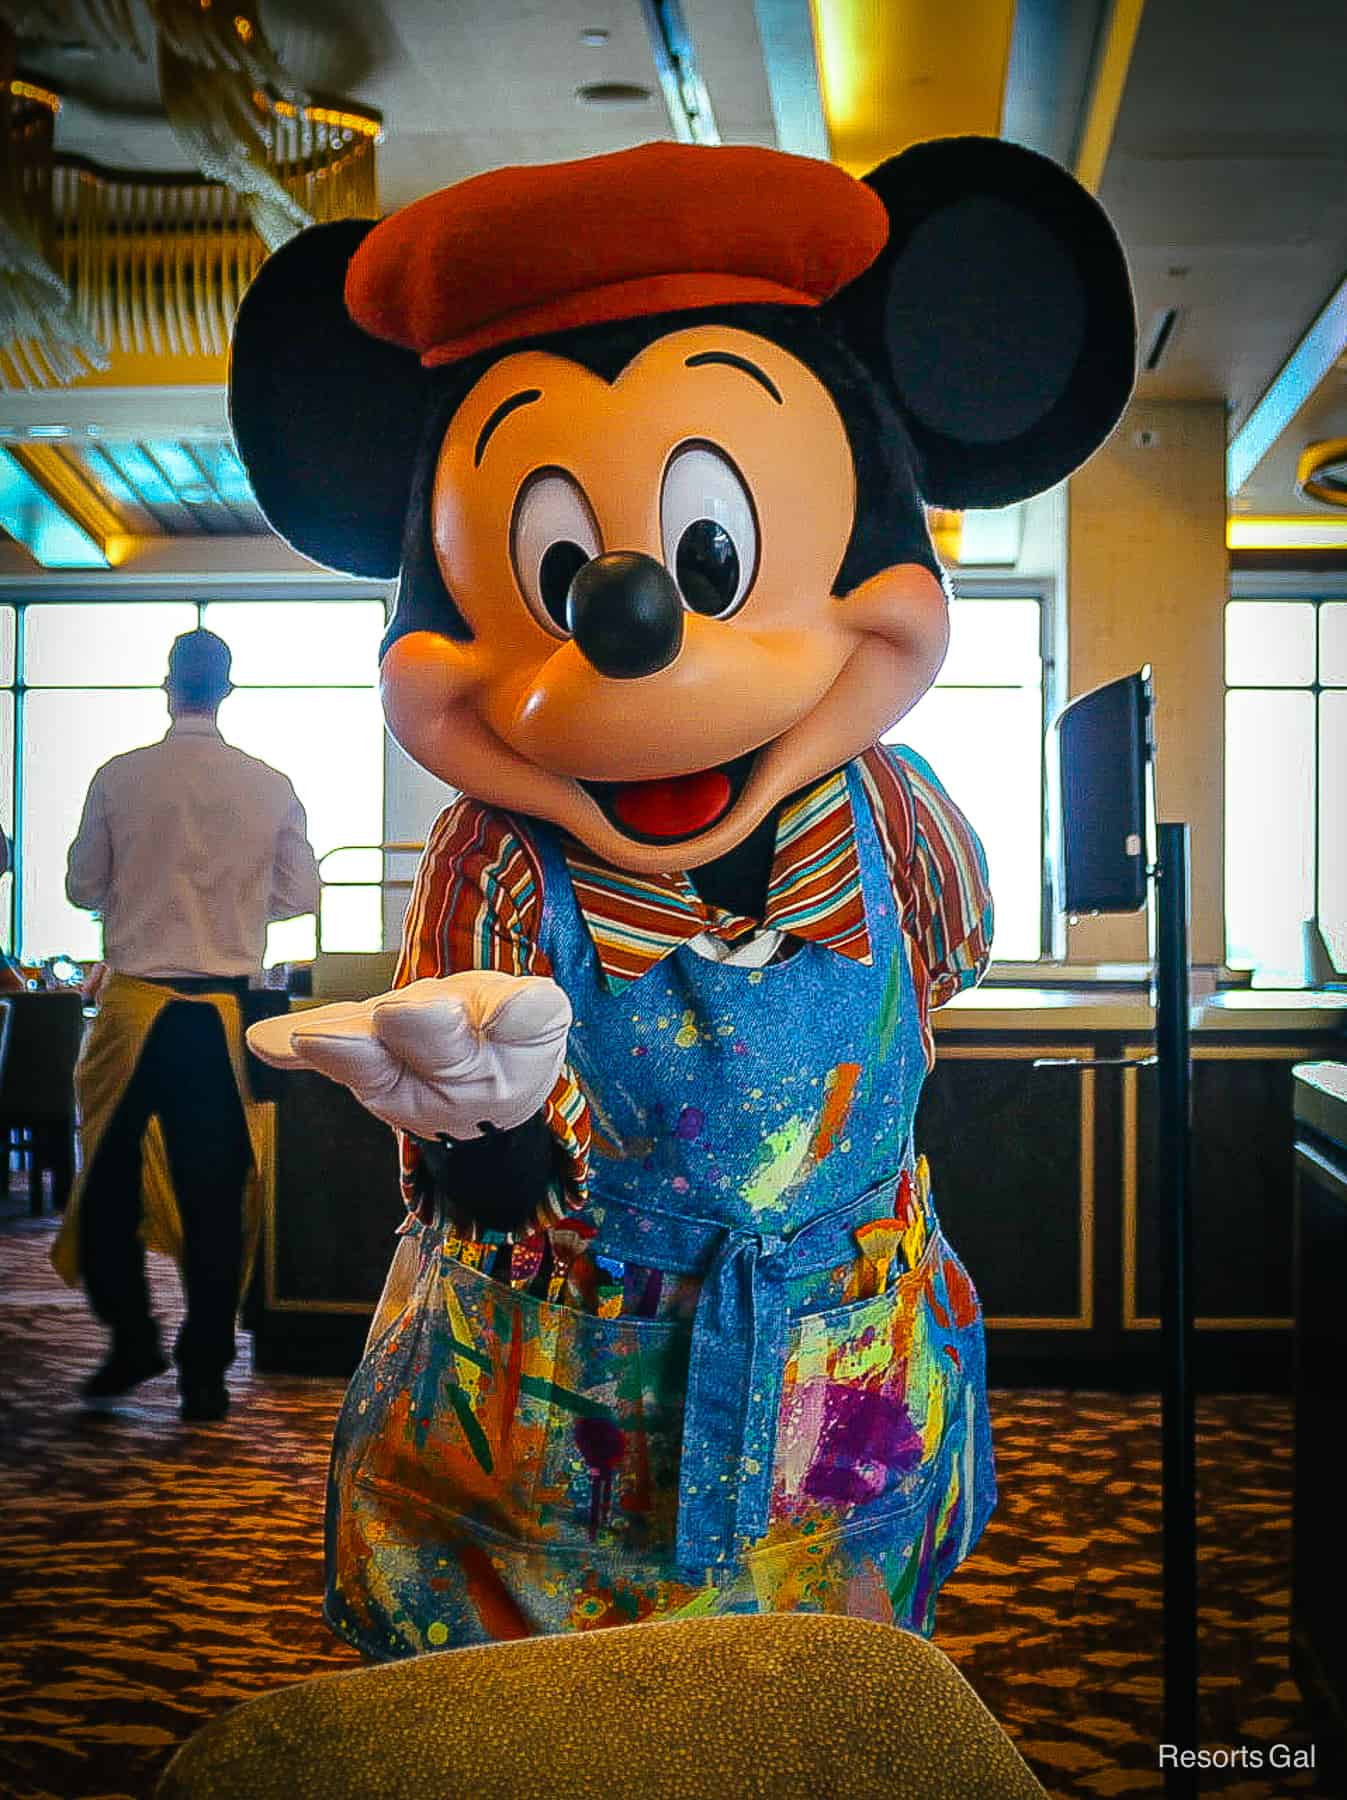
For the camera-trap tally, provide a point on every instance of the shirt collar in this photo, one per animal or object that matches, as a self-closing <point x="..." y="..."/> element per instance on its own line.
<point x="193" y="725"/>
<point x="814" y="892"/>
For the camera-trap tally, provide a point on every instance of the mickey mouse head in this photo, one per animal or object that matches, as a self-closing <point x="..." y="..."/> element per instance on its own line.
<point x="647" y="439"/>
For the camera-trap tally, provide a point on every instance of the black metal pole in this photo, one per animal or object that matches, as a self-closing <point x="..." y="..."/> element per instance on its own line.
<point x="1174" y="1170"/>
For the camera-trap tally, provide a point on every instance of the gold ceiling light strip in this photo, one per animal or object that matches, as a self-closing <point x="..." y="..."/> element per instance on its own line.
<point x="148" y="264"/>
<point x="68" y="489"/>
<point x="894" y="75"/>
<point x="323" y="155"/>
<point x="1112" y="63"/>
<point x="157" y="263"/>
<point x="222" y="88"/>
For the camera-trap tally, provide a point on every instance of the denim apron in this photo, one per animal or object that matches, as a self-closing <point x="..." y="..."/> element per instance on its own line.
<point x="812" y="1437"/>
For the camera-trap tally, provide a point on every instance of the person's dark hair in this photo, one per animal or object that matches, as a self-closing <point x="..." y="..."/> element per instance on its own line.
<point x="890" y="524"/>
<point x="198" y="671"/>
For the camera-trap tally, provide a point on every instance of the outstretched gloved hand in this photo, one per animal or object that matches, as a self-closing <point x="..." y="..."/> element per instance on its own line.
<point x="442" y="1056"/>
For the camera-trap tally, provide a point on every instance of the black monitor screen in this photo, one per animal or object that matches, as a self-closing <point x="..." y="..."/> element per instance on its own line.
<point x="1105" y="747"/>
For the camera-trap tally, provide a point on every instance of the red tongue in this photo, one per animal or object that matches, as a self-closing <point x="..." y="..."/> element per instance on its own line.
<point x="673" y="809"/>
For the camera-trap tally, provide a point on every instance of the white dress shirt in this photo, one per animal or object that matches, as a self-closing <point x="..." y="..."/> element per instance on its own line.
<point x="188" y="848"/>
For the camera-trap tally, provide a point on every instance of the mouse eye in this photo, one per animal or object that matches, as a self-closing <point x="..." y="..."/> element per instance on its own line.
<point x="553" y="536"/>
<point x="709" y="530"/>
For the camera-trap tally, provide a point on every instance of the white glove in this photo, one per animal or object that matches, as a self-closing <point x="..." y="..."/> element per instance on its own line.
<point x="438" y="1056"/>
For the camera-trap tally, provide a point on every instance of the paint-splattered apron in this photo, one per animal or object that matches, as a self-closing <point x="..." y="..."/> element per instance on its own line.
<point x="773" y="1398"/>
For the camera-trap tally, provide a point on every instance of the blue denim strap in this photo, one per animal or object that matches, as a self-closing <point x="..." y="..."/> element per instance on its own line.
<point x="738" y="1352"/>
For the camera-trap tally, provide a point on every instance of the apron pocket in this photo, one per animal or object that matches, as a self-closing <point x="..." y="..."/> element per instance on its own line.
<point x="870" y="1393"/>
<point x="888" y="1569"/>
<point x="540" y="1423"/>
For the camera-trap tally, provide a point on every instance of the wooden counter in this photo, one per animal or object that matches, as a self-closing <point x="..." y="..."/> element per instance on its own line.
<point x="1045" y="1180"/>
<point x="1043" y="1176"/>
<point x="1241" y="1010"/>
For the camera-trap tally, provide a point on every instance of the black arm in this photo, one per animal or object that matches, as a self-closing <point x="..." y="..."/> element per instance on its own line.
<point x="497" y="1181"/>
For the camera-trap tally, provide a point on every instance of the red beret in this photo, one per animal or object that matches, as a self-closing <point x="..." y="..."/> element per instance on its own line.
<point x="663" y="227"/>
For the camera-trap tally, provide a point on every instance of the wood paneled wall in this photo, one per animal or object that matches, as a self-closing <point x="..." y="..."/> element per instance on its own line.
<point x="1147" y="581"/>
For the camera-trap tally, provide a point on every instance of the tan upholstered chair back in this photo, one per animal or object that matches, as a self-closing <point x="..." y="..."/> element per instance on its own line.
<point x="787" y="1706"/>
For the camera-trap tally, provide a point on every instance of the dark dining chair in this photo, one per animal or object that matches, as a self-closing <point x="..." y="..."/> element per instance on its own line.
<point x="37" y="1089"/>
<point x="4" y="1051"/>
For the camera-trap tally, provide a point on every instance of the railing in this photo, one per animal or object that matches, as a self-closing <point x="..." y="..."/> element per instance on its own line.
<point x="387" y="884"/>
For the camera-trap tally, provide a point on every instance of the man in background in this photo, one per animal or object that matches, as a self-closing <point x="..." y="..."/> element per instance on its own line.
<point x="188" y="848"/>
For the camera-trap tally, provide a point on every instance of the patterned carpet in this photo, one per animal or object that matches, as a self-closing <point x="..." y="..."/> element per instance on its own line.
<point x="152" y="1573"/>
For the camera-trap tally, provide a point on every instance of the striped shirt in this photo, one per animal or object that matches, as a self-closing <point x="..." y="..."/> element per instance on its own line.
<point x="478" y="904"/>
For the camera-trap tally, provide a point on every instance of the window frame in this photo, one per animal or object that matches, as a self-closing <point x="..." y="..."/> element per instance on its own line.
<point x="203" y="591"/>
<point x="199" y="592"/>
<point x="1328" y="587"/>
<point x="1052" y="654"/>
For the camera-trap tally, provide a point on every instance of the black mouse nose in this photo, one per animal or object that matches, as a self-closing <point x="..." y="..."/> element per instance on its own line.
<point x="626" y="614"/>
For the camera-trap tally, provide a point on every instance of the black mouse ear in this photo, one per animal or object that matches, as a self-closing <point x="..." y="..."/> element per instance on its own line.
<point x="326" y="419"/>
<point x="999" y="315"/>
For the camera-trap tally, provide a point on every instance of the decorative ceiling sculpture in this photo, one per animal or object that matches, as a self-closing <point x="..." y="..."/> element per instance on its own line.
<point x="90" y="24"/>
<point x="43" y="341"/>
<point x="93" y="259"/>
<point x="219" y="81"/>
<point x="157" y="263"/>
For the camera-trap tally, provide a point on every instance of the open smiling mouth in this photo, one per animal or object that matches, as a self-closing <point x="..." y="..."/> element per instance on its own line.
<point x="677" y="807"/>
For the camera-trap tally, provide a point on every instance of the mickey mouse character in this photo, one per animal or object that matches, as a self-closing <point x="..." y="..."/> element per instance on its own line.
<point x="646" y="439"/>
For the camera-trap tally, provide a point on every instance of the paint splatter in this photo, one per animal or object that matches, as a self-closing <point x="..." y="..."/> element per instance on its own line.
<point x="687" y="1035"/>
<point x="963" y="1301"/>
<point x="841" y="1087"/>
<point x="690" y="1123"/>
<point x="890" y="1007"/>
<point x="867" y="1436"/>
<point x="601" y="1443"/>
<point x="779" y="1163"/>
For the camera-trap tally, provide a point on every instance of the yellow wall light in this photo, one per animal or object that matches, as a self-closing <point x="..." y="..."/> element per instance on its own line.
<point x="1248" y="532"/>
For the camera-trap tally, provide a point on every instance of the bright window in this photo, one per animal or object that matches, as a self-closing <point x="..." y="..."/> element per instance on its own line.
<point x="981" y="729"/>
<point x="1285" y="783"/>
<point x="306" y="702"/>
<point x="66" y="734"/>
<point x="102" y="644"/>
<point x="87" y="684"/>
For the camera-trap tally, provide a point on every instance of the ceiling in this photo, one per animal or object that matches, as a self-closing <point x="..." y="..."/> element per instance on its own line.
<point x="1227" y="180"/>
<point x="463" y="85"/>
<point x="1226" y="173"/>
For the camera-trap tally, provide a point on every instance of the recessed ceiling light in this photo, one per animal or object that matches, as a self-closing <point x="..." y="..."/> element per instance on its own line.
<point x="594" y="38"/>
<point x="613" y="93"/>
<point x="1321" y="473"/>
